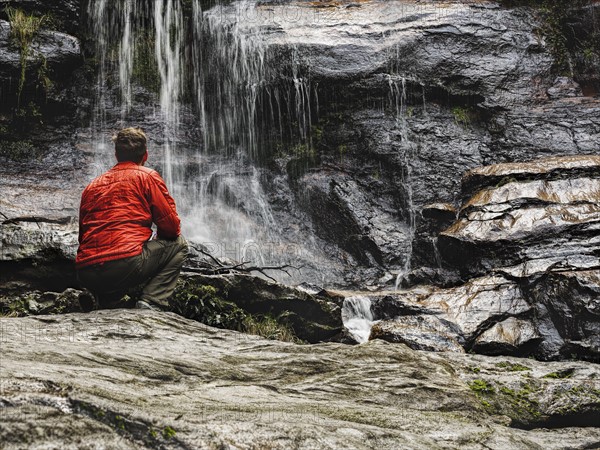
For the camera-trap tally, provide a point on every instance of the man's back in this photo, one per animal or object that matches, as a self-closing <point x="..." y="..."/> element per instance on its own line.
<point x="117" y="211"/>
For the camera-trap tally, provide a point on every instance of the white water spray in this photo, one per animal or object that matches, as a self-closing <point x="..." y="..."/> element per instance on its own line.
<point x="357" y="317"/>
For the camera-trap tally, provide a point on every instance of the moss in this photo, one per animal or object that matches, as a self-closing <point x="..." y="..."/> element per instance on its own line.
<point x="13" y="307"/>
<point x="268" y="327"/>
<point x="303" y="151"/>
<point x="481" y="387"/>
<point x="317" y="133"/>
<point x="462" y="116"/>
<point x="560" y="374"/>
<point x="557" y="29"/>
<point x="168" y="432"/>
<point x="145" y="68"/>
<point x="520" y="405"/>
<point x="512" y="367"/>
<point x="203" y="303"/>
<point x="342" y="150"/>
<point x="119" y="423"/>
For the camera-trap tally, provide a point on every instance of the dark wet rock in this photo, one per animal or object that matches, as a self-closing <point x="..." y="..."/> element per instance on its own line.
<point x="569" y="313"/>
<point x="509" y="337"/>
<point x="312" y="318"/>
<point x="553" y="315"/>
<point x="163" y="381"/>
<point x="564" y="87"/>
<point x="63" y="14"/>
<point x="425" y="332"/>
<point x="517" y="221"/>
<point x="439" y="212"/>
<point x="61" y="52"/>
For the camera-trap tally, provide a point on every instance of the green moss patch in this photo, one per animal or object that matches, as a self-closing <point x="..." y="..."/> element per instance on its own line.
<point x="204" y="304"/>
<point x="512" y="367"/>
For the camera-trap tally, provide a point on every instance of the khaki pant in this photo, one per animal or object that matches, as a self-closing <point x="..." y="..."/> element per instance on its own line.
<point x="156" y="268"/>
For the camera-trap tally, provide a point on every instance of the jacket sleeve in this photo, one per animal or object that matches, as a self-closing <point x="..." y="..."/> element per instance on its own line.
<point x="81" y="214"/>
<point x="162" y="206"/>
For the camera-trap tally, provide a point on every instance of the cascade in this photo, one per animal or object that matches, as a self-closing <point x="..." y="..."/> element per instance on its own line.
<point x="216" y="180"/>
<point x="358" y="317"/>
<point x="169" y="45"/>
<point x="398" y="99"/>
<point x="126" y="49"/>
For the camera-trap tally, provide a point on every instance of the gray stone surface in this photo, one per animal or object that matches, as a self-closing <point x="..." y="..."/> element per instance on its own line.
<point x="138" y="379"/>
<point x="509" y="336"/>
<point x="424" y="332"/>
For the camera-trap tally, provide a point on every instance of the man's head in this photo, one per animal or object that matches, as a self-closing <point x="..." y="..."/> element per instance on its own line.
<point x="130" y="145"/>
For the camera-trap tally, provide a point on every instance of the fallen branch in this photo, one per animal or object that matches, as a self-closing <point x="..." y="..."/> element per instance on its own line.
<point x="240" y="268"/>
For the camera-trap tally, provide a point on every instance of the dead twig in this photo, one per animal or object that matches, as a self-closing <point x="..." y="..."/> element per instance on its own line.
<point x="240" y="268"/>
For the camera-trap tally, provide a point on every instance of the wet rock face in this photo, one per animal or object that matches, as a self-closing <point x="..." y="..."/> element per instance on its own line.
<point x="64" y="13"/>
<point x="534" y="226"/>
<point x="569" y="304"/>
<point x="549" y="316"/>
<point x="131" y="379"/>
<point x="60" y="51"/>
<point x="542" y="213"/>
<point x="312" y="317"/>
<point x="443" y="116"/>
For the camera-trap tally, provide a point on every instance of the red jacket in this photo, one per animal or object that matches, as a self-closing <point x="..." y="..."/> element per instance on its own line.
<point x="117" y="211"/>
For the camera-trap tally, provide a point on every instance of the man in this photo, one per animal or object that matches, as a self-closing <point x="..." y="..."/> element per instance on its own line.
<point x="117" y="211"/>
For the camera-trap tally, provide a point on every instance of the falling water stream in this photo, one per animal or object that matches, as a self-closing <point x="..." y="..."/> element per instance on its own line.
<point x="214" y="99"/>
<point x="357" y="317"/>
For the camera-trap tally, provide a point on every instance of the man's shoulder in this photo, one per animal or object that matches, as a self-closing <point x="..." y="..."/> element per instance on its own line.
<point x="123" y="174"/>
<point x="139" y="172"/>
<point x="146" y="172"/>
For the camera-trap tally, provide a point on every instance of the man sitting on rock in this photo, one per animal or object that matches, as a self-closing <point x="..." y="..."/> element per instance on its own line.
<point x="117" y="211"/>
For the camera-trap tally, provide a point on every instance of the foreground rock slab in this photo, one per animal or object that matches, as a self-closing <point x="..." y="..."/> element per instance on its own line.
<point x="128" y="379"/>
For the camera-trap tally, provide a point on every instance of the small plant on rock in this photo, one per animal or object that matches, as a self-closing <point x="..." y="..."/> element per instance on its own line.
<point x="23" y="29"/>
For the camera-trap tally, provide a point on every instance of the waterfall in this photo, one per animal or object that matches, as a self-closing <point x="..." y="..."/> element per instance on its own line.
<point x="222" y="69"/>
<point x="126" y="49"/>
<point x="216" y="102"/>
<point x="229" y="77"/>
<point x="357" y="317"/>
<point x="398" y="100"/>
<point x="168" y="22"/>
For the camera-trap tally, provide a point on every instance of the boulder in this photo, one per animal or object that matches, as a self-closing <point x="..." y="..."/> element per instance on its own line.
<point x="569" y="313"/>
<point x="423" y="332"/>
<point x="38" y="238"/>
<point x="478" y="304"/>
<point x="509" y="337"/>
<point x="135" y="379"/>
